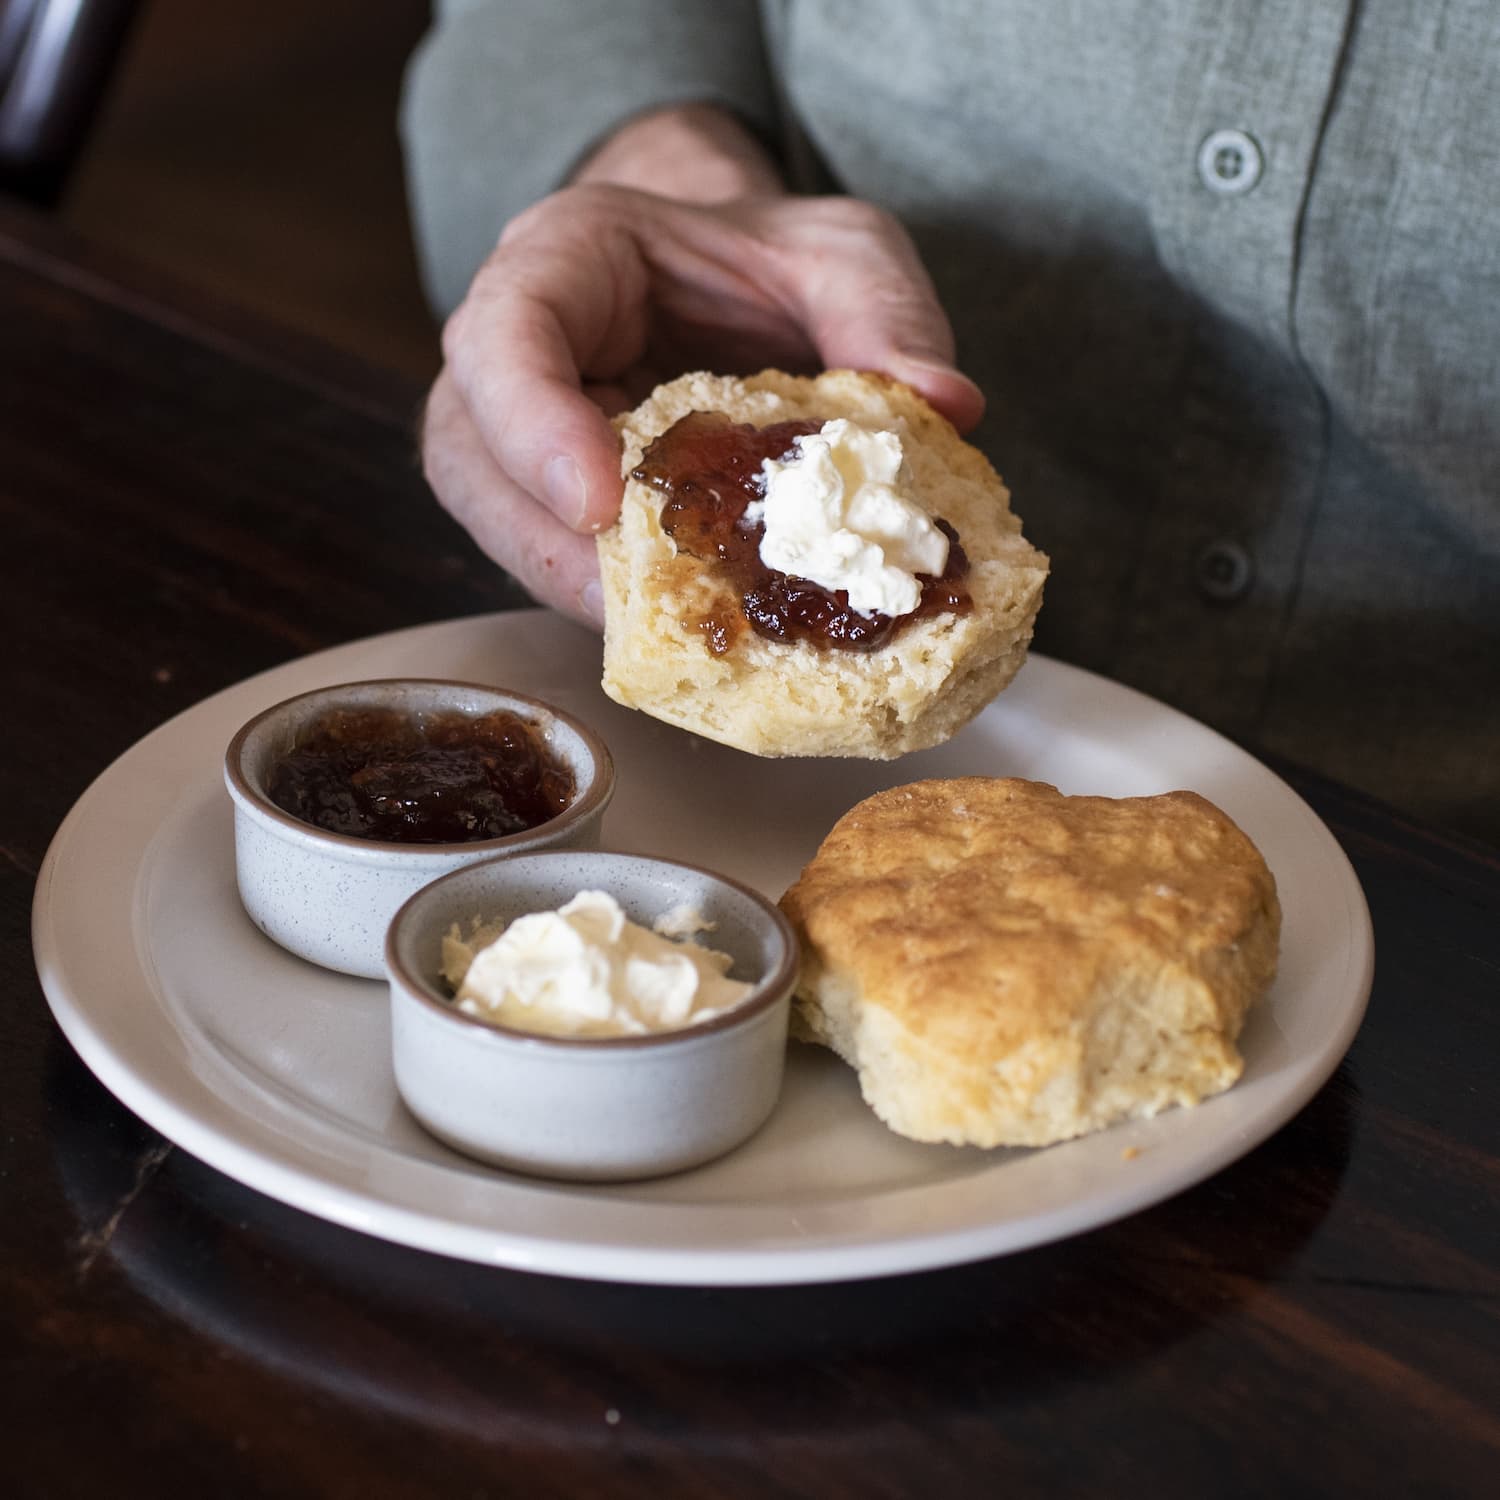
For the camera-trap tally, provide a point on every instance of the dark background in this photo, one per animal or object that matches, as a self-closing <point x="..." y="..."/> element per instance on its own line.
<point x="250" y="147"/>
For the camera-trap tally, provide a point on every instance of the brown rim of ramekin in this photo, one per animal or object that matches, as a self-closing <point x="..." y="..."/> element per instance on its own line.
<point x="594" y="796"/>
<point x="780" y="978"/>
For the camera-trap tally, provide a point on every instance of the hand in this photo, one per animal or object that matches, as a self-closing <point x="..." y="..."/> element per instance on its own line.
<point x="599" y="292"/>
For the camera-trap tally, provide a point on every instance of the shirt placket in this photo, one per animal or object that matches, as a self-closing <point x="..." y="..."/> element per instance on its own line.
<point x="1220" y="541"/>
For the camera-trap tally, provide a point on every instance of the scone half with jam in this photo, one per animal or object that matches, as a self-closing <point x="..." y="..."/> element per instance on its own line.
<point x="811" y="566"/>
<point x="1007" y="966"/>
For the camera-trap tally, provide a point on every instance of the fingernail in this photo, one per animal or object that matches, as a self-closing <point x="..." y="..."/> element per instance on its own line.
<point x="591" y="600"/>
<point x="567" y="494"/>
<point x="932" y="366"/>
<point x="938" y="382"/>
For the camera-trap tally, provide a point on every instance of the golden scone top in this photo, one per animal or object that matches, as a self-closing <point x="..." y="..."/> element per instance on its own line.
<point x="1009" y="965"/>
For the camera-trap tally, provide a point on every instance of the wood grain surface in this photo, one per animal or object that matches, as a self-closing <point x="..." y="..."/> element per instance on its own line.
<point x="188" y="497"/>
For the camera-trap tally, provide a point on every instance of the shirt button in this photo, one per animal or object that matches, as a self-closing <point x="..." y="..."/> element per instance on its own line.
<point x="1229" y="162"/>
<point x="1224" y="572"/>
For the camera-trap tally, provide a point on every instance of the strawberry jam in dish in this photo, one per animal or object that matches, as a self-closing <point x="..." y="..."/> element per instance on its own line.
<point x="430" y="778"/>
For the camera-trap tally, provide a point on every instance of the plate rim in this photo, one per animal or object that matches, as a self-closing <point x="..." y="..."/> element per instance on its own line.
<point x="252" y="1157"/>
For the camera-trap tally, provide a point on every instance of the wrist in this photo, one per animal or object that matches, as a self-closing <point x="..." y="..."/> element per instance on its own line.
<point x="697" y="153"/>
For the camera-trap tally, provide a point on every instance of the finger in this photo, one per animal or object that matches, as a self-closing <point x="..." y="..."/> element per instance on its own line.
<point x="555" y="565"/>
<point x="544" y="311"/>
<point x="868" y="303"/>
<point x="520" y="383"/>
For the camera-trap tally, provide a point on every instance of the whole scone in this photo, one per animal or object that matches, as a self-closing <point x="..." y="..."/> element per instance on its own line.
<point x="779" y="698"/>
<point x="1007" y="966"/>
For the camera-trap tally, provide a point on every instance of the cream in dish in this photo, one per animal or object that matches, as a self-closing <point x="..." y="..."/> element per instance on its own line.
<point x="587" y="970"/>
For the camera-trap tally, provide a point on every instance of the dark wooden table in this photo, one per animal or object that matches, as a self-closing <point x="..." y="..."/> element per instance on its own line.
<point x="186" y="499"/>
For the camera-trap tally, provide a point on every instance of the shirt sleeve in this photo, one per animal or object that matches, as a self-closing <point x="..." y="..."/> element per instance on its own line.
<point x="503" y="98"/>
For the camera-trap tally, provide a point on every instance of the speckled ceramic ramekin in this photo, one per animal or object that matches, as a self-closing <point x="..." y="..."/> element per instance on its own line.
<point x="329" y="897"/>
<point x="592" y="1109"/>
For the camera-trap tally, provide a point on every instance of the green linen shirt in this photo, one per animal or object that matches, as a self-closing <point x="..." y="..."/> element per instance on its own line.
<point x="1227" y="270"/>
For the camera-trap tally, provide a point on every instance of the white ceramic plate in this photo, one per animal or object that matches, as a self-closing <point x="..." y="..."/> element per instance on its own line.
<point x="277" y="1072"/>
